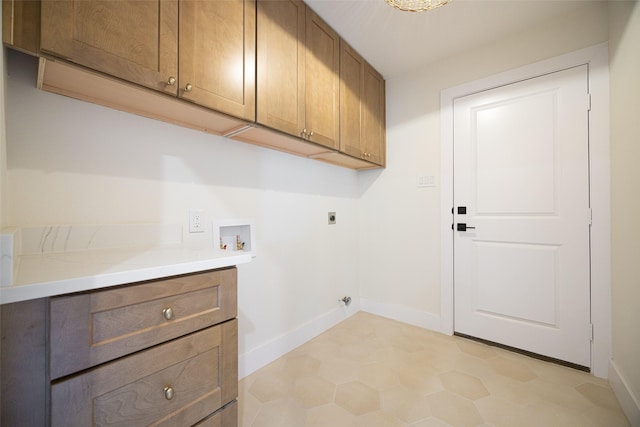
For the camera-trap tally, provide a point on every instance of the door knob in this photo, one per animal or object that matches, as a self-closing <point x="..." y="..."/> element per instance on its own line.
<point x="461" y="226"/>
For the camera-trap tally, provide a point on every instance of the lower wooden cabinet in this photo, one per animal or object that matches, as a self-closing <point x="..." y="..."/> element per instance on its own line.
<point x="171" y="355"/>
<point x="178" y="383"/>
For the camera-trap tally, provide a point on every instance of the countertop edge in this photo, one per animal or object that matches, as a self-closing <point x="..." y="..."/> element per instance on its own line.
<point x="18" y="293"/>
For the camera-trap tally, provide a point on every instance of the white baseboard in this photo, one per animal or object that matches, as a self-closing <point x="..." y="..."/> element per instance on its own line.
<point x="261" y="356"/>
<point x="402" y="314"/>
<point x="627" y="399"/>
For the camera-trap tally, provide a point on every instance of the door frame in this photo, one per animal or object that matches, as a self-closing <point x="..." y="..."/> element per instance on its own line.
<point x="597" y="58"/>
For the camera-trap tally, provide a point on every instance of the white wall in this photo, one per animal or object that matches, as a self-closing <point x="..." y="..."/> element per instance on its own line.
<point x="400" y="223"/>
<point x="71" y="162"/>
<point x="624" y="46"/>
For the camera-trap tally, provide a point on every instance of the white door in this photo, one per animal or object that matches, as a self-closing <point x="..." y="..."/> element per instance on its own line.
<point x="521" y="171"/>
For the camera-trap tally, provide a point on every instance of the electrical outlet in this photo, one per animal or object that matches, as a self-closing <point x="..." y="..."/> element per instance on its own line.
<point x="332" y="218"/>
<point x="196" y="221"/>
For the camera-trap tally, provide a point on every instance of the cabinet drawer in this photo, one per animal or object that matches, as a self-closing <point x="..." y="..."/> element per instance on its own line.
<point x="95" y="327"/>
<point x="225" y="417"/>
<point x="175" y="384"/>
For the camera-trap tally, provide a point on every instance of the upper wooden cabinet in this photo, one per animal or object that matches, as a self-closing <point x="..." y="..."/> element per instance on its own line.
<point x="266" y="72"/>
<point x="211" y="43"/>
<point x="362" y="108"/>
<point x="21" y="25"/>
<point x="298" y="72"/>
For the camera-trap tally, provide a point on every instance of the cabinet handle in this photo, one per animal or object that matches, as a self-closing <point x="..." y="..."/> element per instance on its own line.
<point x="168" y="313"/>
<point x="188" y="87"/>
<point x="168" y="392"/>
<point x="171" y="81"/>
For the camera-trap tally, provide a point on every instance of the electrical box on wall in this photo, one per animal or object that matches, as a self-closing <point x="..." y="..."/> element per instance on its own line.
<point x="233" y="235"/>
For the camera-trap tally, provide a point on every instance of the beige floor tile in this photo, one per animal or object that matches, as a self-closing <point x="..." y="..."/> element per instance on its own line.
<point x="464" y="385"/>
<point x="516" y="369"/>
<point x="339" y="371"/>
<point x="301" y="366"/>
<point x="473" y="348"/>
<point x="357" y="398"/>
<point x="405" y="404"/>
<point x="599" y="395"/>
<point x="313" y="391"/>
<point x="505" y="413"/>
<point x="281" y="413"/>
<point x="561" y="395"/>
<point x="509" y="389"/>
<point x="330" y="415"/>
<point x="378" y="419"/>
<point x="371" y="371"/>
<point x="600" y="417"/>
<point x="453" y="409"/>
<point x="430" y="422"/>
<point x="378" y="376"/>
<point x="248" y="407"/>
<point x="271" y="385"/>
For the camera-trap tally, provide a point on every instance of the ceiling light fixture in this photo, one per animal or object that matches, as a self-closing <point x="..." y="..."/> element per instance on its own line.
<point x="416" y="5"/>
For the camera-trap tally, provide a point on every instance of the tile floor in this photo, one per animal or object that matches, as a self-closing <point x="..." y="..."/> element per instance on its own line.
<point x="371" y="371"/>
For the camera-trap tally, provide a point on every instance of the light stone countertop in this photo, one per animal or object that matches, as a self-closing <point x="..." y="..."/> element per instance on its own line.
<point x="44" y="274"/>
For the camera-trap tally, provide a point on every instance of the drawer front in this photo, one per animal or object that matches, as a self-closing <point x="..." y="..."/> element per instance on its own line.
<point x="178" y="383"/>
<point x="96" y="327"/>
<point x="225" y="417"/>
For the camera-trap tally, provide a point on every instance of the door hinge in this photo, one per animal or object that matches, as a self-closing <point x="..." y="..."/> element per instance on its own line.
<point x="588" y="102"/>
<point x="590" y="332"/>
<point x="590" y="216"/>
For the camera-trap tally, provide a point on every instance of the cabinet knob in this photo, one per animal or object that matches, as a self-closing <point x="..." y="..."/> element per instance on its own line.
<point x="303" y="133"/>
<point x="168" y="313"/>
<point x="188" y="87"/>
<point x="168" y="392"/>
<point x="310" y="134"/>
<point x="171" y="81"/>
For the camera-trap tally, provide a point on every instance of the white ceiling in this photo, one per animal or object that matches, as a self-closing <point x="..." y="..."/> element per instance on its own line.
<point x="395" y="42"/>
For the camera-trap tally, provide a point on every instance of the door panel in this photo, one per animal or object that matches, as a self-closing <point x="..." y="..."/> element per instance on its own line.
<point x="281" y="65"/>
<point x="134" y="40"/>
<point x="322" y="88"/>
<point x="521" y="171"/>
<point x="217" y="55"/>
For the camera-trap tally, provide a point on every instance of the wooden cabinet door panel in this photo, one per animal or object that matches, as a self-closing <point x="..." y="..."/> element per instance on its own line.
<point x="132" y="391"/>
<point x="351" y="89"/>
<point x="135" y="40"/>
<point x="322" y="82"/>
<point x="281" y="65"/>
<point x="217" y="55"/>
<point x="374" y="139"/>
<point x="100" y="326"/>
<point x="225" y="417"/>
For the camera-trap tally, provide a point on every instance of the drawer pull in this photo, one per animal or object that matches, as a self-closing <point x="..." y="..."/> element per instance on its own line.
<point x="168" y="392"/>
<point x="168" y="313"/>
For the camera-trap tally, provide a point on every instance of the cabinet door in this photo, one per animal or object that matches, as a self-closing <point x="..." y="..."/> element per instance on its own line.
<point x="362" y="108"/>
<point x="281" y="65"/>
<point x="373" y="117"/>
<point x="217" y="55"/>
<point x="135" y="40"/>
<point x="322" y="82"/>
<point x="351" y="89"/>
